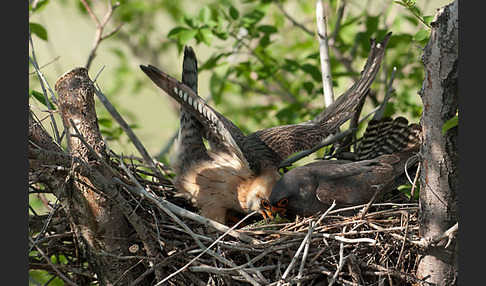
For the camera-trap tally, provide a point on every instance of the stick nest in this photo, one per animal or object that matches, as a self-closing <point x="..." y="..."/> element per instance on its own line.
<point x="342" y="247"/>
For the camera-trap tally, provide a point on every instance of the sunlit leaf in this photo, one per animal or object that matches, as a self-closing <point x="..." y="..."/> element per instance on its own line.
<point x="38" y="30"/>
<point x="453" y="122"/>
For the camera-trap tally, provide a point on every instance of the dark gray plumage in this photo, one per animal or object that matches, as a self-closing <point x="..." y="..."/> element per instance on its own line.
<point x="306" y="190"/>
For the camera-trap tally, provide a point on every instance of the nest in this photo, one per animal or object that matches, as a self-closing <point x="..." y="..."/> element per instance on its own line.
<point x="373" y="244"/>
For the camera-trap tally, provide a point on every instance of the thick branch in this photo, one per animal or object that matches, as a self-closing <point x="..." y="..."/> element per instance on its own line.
<point x="439" y="178"/>
<point x="99" y="224"/>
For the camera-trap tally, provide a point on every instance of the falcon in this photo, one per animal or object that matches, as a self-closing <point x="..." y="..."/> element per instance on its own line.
<point x="388" y="147"/>
<point x="238" y="171"/>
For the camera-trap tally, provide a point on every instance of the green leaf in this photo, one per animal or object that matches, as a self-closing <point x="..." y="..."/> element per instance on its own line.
<point x="204" y="14"/>
<point x="40" y="97"/>
<point x="264" y="41"/>
<point x="105" y="122"/>
<point x="206" y="36"/>
<point x="372" y="23"/>
<point x="38" y="30"/>
<point x="191" y="22"/>
<point x="290" y="65"/>
<point x="428" y="19"/>
<point x="216" y="85"/>
<point x="421" y="36"/>
<point x="186" y="36"/>
<point x="267" y="29"/>
<point x="308" y="86"/>
<point x="212" y="62"/>
<point x="252" y="17"/>
<point x="313" y="71"/>
<point x="172" y="33"/>
<point x="39" y="6"/>
<point x="234" y="13"/>
<point x="450" y="124"/>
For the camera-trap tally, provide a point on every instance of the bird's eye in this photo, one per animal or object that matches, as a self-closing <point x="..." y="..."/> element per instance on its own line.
<point x="283" y="203"/>
<point x="265" y="204"/>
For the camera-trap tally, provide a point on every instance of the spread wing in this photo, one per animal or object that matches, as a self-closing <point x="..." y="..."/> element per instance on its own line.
<point x="218" y="129"/>
<point x="271" y="146"/>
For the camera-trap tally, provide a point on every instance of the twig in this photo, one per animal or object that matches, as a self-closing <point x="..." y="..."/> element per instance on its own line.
<point x="294" y="259"/>
<point x="389" y="89"/>
<point x="46" y="64"/>
<point x="404" y="241"/>
<point x="364" y="211"/>
<point x="98" y="73"/>
<point x="48" y="260"/>
<point x="414" y="184"/>
<point x="43" y="82"/>
<point x="206" y="250"/>
<point x="328" y="141"/>
<point x="337" y="26"/>
<point x="326" y="212"/>
<point x="324" y="54"/>
<point x="291" y="19"/>
<point x="172" y="210"/>
<point x="414" y="157"/>
<point x="100" y="26"/>
<point x="348" y="240"/>
<point x="340" y="265"/>
<point x="306" y="252"/>
<point x="40" y="236"/>
<point x="449" y="234"/>
<point x="126" y="128"/>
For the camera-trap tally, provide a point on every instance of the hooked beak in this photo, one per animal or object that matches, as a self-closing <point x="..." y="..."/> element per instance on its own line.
<point x="269" y="213"/>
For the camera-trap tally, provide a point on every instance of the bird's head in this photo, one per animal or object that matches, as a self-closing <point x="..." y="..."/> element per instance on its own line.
<point x="293" y="194"/>
<point x="258" y="192"/>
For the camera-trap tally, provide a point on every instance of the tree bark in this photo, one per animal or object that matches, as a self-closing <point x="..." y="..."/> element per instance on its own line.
<point x="439" y="178"/>
<point x="85" y="189"/>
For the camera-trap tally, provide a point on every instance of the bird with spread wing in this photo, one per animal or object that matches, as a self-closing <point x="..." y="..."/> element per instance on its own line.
<point x="388" y="147"/>
<point x="238" y="171"/>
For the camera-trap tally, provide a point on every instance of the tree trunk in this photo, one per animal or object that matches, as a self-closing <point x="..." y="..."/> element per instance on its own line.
<point x="96" y="211"/>
<point x="439" y="178"/>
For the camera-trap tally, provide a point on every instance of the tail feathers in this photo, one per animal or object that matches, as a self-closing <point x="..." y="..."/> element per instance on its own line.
<point x="388" y="136"/>
<point x="344" y="107"/>
<point x="189" y="68"/>
<point x="190" y="145"/>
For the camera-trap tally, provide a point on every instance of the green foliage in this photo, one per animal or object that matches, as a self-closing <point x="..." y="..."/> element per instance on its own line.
<point x="453" y="122"/>
<point x="261" y="54"/>
<point x="42" y="277"/>
<point x="38" y="30"/>
<point x="41" y="98"/>
<point x="39" y="5"/>
<point x="412" y="7"/>
<point x="407" y="191"/>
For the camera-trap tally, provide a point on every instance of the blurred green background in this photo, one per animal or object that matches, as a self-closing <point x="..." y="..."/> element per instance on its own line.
<point x="71" y="32"/>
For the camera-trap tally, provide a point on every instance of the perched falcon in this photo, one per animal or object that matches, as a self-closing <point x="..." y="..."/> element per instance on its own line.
<point x="387" y="148"/>
<point x="238" y="171"/>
